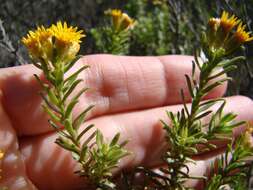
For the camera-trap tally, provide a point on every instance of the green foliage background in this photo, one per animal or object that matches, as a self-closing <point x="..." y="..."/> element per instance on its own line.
<point x="170" y="29"/>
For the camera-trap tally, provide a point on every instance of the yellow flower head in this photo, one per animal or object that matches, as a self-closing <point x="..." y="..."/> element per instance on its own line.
<point x="38" y="42"/>
<point x="121" y="21"/>
<point x="67" y="40"/>
<point x="65" y="34"/>
<point x="41" y="45"/>
<point x="241" y="36"/>
<point x="228" y="23"/>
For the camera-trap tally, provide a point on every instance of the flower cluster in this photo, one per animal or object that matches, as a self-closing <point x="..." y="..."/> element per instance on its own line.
<point x="223" y="37"/>
<point x="121" y="21"/>
<point x="42" y="42"/>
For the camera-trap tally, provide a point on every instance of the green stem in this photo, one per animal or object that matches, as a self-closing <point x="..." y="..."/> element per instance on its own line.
<point x="204" y="75"/>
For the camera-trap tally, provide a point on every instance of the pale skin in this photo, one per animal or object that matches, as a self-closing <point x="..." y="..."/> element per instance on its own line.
<point x="130" y="95"/>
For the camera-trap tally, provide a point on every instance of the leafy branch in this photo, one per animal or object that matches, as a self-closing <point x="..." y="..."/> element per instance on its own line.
<point x="231" y="171"/>
<point x="55" y="55"/>
<point x="187" y="132"/>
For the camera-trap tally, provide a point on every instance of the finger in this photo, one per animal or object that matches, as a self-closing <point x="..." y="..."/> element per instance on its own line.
<point x="12" y="168"/>
<point x="142" y="128"/>
<point x="127" y="83"/>
<point x="118" y="83"/>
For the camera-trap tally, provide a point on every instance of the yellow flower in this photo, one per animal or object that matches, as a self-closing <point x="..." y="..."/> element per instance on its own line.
<point x="42" y="42"/>
<point x="66" y="35"/>
<point x="121" y="21"/>
<point x="228" y="23"/>
<point x="67" y="40"/>
<point x="39" y="43"/>
<point x="126" y="22"/>
<point x="241" y="36"/>
<point x="116" y="17"/>
<point x="221" y="37"/>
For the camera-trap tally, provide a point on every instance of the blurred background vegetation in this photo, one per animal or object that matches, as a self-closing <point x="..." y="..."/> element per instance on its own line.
<point x="163" y="27"/>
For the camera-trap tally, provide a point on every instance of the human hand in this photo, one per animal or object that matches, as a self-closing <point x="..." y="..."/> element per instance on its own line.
<point x="130" y="95"/>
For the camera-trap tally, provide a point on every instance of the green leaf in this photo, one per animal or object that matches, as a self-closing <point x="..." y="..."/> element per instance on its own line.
<point x="49" y="104"/>
<point x="202" y="115"/>
<point x="80" y="118"/>
<point x="123" y="143"/>
<point x="188" y="80"/>
<point x="52" y="97"/>
<point x="193" y="69"/>
<point x="83" y="154"/>
<point x="196" y="60"/>
<point x="115" y="139"/>
<point x="57" y="128"/>
<point x="213" y="85"/>
<point x="52" y="115"/>
<point x="226" y="70"/>
<point x="68" y="126"/>
<point x="80" y="93"/>
<point x="227" y="118"/>
<point x="70" y="89"/>
<point x="66" y="145"/>
<point x="71" y="64"/>
<point x="207" y="104"/>
<point x="232" y="61"/>
<point x="43" y="86"/>
<point x="70" y="108"/>
<point x="184" y="103"/>
<point x="74" y="76"/>
<point x="99" y="139"/>
<point x="75" y="156"/>
<point x="85" y="131"/>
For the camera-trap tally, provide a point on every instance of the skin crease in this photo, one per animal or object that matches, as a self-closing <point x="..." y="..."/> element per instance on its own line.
<point x="131" y="94"/>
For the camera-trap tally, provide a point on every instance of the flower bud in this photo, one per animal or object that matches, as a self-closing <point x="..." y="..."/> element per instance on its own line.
<point x="121" y="21"/>
<point x="126" y="22"/>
